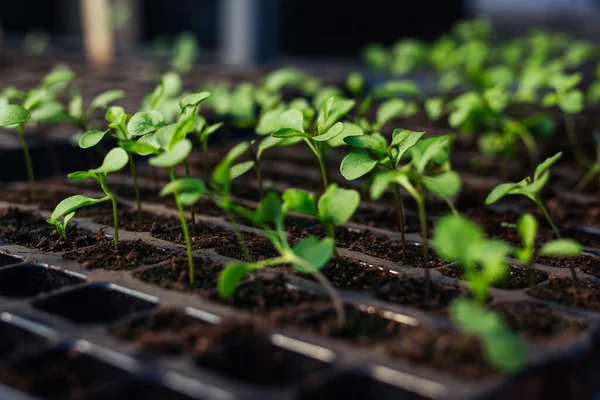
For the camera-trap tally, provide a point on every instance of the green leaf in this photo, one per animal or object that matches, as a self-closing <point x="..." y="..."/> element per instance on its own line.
<point x="527" y="227"/>
<point x="502" y="190"/>
<point x="58" y="75"/>
<point x="561" y="248"/>
<point x="116" y="116"/>
<point x="474" y="319"/>
<point x="161" y="137"/>
<point x="240" y="169"/>
<point x="47" y="112"/>
<point x="324" y="115"/>
<point x="300" y="201"/>
<point x="269" y="210"/>
<point x="221" y="173"/>
<point x="366" y="142"/>
<point x="506" y="351"/>
<point x="184" y="185"/>
<point x="434" y="107"/>
<point x="444" y="185"/>
<point x="172" y="157"/>
<point x="405" y="139"/>
<point x="290" y="133"/>
<point x="355" y="83"/>
<point x="231" y="275"/>
<point x="114" y="160"/>
<point x="543" y="167"/>
<point x="73" y="203"/>
<point x="434" y="148"/>
<point x="76" y="107"/>
<point x="338" y="205"/>
<point x="291" y="119"/>
<point x="144" y="122"/>
<point x="105" y="98"/>
<point x="172" y="84"/>
<point x="397" y="87"/>
<point x="141" y="148"/>
<point x="269" y="121"/>
<point x="389" y="110"/>
<point x="79" y="175"/>
<point x="13" y="114"/>
<point x="314" y="251"/>
<point x="572" y="102"/>
<point x="454" y="236"/>
<point x="91" y="138"/>
<point x="356" y="164"/>
<point x="193" y="99"/>
<point x="350" y="129"/>
<point x="335" y="130"/>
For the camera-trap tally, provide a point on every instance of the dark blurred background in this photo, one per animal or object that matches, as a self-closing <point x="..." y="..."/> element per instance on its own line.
<point x="294" y="28"/>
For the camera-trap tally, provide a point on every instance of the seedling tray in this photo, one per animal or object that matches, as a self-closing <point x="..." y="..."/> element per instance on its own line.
<point x="103" y="325"/>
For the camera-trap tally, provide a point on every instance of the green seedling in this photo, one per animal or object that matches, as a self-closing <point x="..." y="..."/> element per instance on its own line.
<point x="389" y="110"/>
<point x="427" y="155"/>
<point x="61" y="226"/>
<point x="570" y="101"/>
<point x="203" y="131"/>
<point x="327" y="128"/>
<point x="114" y="161"/>
<point x="188" y="191"/>
<point x="459" y="240"/>
<point x="15" y="115"/>
<point x="185" y="52"/>
<point x="334" y="208"/>
<point x="355" y="84"/>
<point x="81" y="117"/>
<point x="434" y="107"/>
<point x="527" y="227"/>
<point x="529" y="187"/>
<point x="308" y="256"/>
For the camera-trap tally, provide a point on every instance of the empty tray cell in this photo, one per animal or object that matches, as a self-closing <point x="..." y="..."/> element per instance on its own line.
<point x="98" y="303"/>
<point x="30" y="280"/>
<point x="141" y="390"/>
<point x="167" y="332"/>
<point x="358" y="385"/>
<point x="16" y="340"/>
<point x="61" y="373"/>
<point x="256" y="360"/>
<point x="6" y="259"/>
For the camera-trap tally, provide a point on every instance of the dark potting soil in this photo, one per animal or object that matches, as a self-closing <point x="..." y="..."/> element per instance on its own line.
<point x="411" y="291"/>
<point x="49" y="240"/>
<point x="515" y="278"/>
<point x="260" y="295"/>
<point x="447" y="351"/>
<point x="581" y="293"/>
<point x="174" y="274"/>
<point x="128" y="220"/>
<point x="226" y="244"/>
<point x="537" y="321"/>
<point x="349" y="274"/>
<point x="14" y="221"/>
<point x="206" y="236"/>
<point x="129" y="255"/>
<point x="45" y="197"/>
<point x="168" y="332"/>
<point x="376" y="246"/>
<point x="588" y="264"/>
<point x="385" y="219"/>
<point x="359" y="328"/>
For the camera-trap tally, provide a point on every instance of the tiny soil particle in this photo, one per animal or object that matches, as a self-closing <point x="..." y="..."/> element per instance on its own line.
<point x="48" y="240"/>
<point x="349" y="274"/>
<point x="588" y="264"/>
<point x="360" y="328"/>
<point x="129" y="255"/>
<point x="167" y="332"/>
<point x="411" y="291"/>
<point x="446" y="351"/>
<point x="128" y="220"/>
<point x="515" y="278"/>
<point x="14" y="222"/>
<point x="581" y="293"/>
<point x="174" y="274"/>
<point x="537" y="321"/>
<point x="261" y="295"/>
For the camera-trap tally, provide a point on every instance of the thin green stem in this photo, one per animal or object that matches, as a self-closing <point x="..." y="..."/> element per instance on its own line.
<point x="589" y="175"/>
<point x="192" y="207"/>
<point x="338" y="304"/>
<point x="28" y="163"/>
<point x="425" y="243"/>
<point x="258" y="171"/>
<point x="542" y="207"/>
<point x="238" y="235"/>
<point x="323" y="168"/>
<point x="400" y="214"/>
<point x="136" y="188"/>
<point x="186" y="233"/>
<point x="113" y="199"/>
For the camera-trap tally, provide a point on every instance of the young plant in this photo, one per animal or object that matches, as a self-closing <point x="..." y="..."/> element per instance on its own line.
<point x="61" y="226"/>
<point x="334" y="208"/>
<point x="527" y="227"/>
<point x="569" y="100"/>
<point x="114" y="161"/>
<point x="81" y="117"/>
<point x="327" y="127"/>
<point x="594" y="170"/>
<point x="415" y="179"/>
<point x="13" y="115"/>
<point x="185" y="52"/>
<point x="460" y="240"/>
<point x="308" y="256"/>
<point x="529" y="187"/>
